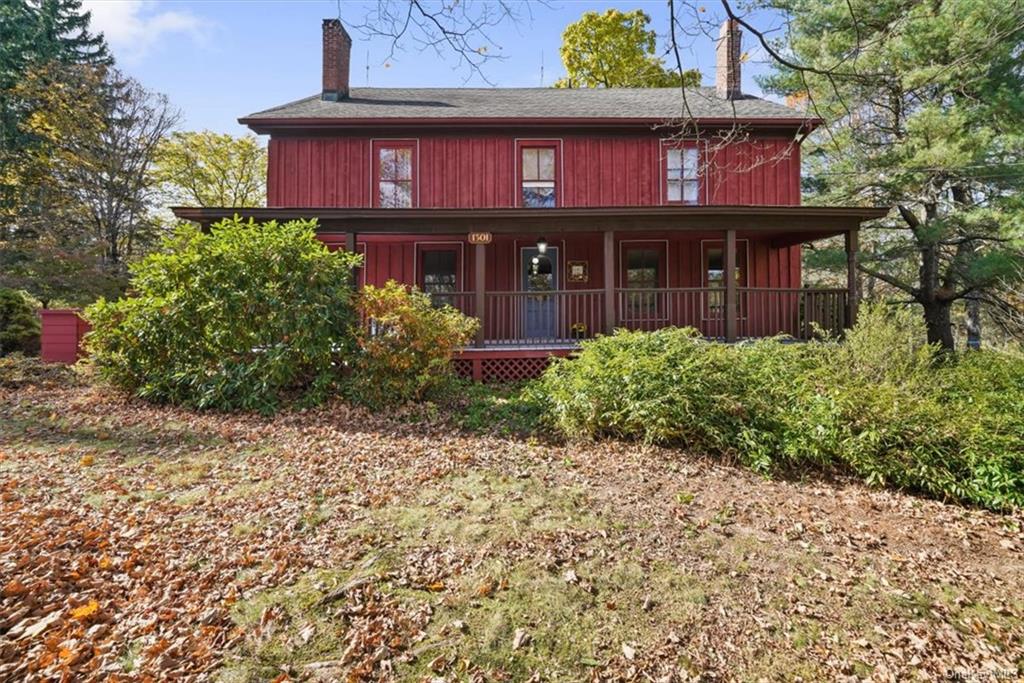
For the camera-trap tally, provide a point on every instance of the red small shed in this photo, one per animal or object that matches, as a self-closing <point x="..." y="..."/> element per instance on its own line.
<point x="63" y="330"/>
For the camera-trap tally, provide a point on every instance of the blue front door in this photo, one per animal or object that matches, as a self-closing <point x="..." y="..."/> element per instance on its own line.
<point x="540" y="311"/>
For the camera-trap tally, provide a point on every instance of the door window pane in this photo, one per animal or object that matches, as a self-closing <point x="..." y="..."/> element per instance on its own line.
<point x="714" y="263"/>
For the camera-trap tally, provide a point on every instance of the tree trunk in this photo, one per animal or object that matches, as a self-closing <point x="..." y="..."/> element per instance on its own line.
<point x="973" y="322"/>
<point x="939" y="323"/>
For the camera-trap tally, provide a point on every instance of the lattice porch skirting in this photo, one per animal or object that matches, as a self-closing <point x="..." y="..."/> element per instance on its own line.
<point x="502" y="365"/>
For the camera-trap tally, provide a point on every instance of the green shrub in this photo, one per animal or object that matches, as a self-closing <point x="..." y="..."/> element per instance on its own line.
<point x="19" y="324"/>
<point x="405" y="346"/>
<point x="881" y="405"/>
<point x="238" y="318"/>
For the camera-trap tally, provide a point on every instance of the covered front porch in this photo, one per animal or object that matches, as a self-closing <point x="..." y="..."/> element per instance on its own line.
<point x="553" y="318"/>
<point x="542" y="280"/>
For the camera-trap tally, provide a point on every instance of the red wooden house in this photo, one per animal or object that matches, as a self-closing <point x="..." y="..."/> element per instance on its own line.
<point x="553" y="215"/>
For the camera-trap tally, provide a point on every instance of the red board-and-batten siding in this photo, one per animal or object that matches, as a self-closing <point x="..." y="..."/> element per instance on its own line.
<point x="477" y="171"/>
<point x="62" y="335"/>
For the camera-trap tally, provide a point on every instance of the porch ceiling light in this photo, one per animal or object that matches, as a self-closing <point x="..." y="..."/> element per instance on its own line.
<point x="542" y="245"/>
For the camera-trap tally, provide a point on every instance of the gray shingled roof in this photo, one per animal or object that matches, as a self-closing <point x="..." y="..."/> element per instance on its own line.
<point x="583" y="103"/>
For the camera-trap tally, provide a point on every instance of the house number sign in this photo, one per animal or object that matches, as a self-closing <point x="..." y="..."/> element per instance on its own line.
<point x="479" y="238"/>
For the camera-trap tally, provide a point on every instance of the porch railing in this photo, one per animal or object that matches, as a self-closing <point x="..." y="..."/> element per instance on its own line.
<point x="537" y="318"/>
<point x="463" y="301"/>
<point x="653" y="309"/>
<point x="565" y="316"/>
<point x="800" y="313"/>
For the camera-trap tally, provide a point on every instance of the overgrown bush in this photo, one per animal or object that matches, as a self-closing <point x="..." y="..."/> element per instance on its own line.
<point x="883" y="405"/>
<point x="238" y="318"/>
<point x="19" y="324"/>
<point x="405" y="345"/>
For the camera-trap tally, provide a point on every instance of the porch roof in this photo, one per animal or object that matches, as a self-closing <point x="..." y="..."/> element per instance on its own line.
<point x="816" y="220"/>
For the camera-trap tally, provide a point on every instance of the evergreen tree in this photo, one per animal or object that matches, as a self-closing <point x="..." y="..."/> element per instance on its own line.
<point x="19" y="325"/>
<point x="62" y="35"/>
<point x="925" y="114"/>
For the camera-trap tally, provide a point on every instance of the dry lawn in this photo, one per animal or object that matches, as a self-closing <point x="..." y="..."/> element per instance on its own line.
<point x="143" y="542"/>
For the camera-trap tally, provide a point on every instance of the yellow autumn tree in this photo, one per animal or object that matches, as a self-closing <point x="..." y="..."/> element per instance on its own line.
<point x="615" y="49"/>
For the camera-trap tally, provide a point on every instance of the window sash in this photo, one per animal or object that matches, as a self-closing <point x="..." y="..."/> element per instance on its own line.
<point x="538" y="176"/>
<point x="643" y="268"/>
<point x="682" y="171"/>
<point x="538" y="163"/>
<point x="395" y="163"/>
<point x="394" y="194"/>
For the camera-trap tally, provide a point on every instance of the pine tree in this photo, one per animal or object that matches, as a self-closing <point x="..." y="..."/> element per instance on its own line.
<point x="63" y="35"/>
<point x="925" y="115"/>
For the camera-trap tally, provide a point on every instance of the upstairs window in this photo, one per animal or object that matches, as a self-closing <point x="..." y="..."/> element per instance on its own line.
<point x="395" y="173"/>
<point x="538" y="173"/>
<point x="682" y="184"/>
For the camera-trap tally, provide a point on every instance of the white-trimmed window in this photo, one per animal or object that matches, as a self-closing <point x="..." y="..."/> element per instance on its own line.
<point x="395" y="174"/>
<point x="539" y="176"/>
<point x="682" y="181"/>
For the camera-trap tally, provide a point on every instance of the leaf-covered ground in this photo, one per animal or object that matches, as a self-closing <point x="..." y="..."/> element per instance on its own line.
<point x="143" y="542"/>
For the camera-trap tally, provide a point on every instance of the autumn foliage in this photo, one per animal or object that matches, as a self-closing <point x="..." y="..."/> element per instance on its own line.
<point x="405" y="344"/>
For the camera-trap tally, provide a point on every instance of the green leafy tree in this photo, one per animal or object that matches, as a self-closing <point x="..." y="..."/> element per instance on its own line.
<point x="19" y="324"/>
<point x="926" y="116"/>
<point x="52" y="273"/>
<point x="33" y="35"/>
<point x="81" y="196"/>
<point x="212" y="169"/>
<point x="243" y="317"/>
<point x="616" y="50"/>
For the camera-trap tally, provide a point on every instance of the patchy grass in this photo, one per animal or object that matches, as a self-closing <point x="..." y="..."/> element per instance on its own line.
<point x="331" y="544"/>
<point x="503" y="410"/>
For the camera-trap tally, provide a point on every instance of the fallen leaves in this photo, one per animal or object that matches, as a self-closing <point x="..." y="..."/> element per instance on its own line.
<point x="85" y="611"/>
<point x="148" y="554"/>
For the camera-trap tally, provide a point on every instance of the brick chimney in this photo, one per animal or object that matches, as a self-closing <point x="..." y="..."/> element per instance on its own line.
<point x="727" y="61"/>
<point x="337" y="53"/>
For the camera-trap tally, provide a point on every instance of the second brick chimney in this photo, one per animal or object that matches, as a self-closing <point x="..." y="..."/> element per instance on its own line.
<point x="727" y="61"/>
<point x="337" y="53"/>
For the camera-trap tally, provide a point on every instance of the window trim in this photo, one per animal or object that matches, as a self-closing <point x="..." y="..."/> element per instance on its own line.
<point x="702" y="186"/>
<point x="551" y="143"/>
<point x="377" y="144"/>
